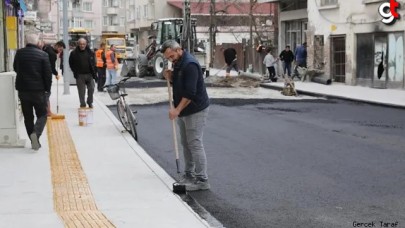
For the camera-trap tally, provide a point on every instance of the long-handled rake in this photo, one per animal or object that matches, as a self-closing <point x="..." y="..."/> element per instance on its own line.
<point x="57" y="115"/>
<point x="177" y="187"/>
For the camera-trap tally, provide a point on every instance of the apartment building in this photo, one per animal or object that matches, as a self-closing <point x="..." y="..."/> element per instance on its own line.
<point x="114" y="16"/>
<point x="81" y="14"/>
<point x="347" y="40"/>
<point x="143" y="13"/>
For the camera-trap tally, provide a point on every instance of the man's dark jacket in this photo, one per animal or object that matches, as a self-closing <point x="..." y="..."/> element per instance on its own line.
<point x="188" y="82"/>
<point x="52" y="57"/>
<point x="74" y="62"/>
<point x="287" y="56"/>
<point x="33" y="70"/>
<point x="229" y="55"/>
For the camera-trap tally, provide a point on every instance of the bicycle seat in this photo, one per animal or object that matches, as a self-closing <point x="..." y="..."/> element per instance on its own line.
<point x="124" y="94"/>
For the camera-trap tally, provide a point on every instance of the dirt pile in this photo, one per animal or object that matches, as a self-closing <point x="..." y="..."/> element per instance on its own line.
<point x="233" y="82"/>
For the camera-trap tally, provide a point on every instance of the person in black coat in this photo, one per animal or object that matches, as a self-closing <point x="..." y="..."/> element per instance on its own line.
<point x="34" y="79"/>
<point x="230" y="60"/>
<point x="287" y="56"/>
<point x="82" y="62"/>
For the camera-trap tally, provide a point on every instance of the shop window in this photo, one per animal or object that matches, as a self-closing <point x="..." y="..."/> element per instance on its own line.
<point x="329" y="2"/>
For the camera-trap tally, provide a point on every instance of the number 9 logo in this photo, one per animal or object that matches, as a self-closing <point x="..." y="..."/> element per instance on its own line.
<point x="388" y="17"/>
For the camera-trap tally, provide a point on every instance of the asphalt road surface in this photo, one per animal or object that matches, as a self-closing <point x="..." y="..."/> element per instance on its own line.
<point x="294" y="164"/>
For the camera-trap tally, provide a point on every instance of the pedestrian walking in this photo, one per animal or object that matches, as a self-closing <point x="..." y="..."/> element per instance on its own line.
<point x="300" y="58"/>
<point x="230" y="57"/>
<point x="34" y="79"/>
<point x="53" y="52"/>
<point x="82" y="63"/>
<point x="287" y="56"/>
<point x="112" y="66"/>
<point x="191" y="106"/>
<point x="101" y="64"/>
<point x="269" y="62"/>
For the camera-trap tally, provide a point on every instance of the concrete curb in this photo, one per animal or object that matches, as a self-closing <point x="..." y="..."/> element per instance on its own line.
<point x="315" y="94"/>
<point x="150" y="163"/>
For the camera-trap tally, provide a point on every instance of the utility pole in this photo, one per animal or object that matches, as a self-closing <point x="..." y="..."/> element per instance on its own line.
<point x="58" y="20"/>
<point x="187" y="33"/>
<point x="251" y="33"/>
<point x="66" y="81"/>
<point x="212" y="33"/>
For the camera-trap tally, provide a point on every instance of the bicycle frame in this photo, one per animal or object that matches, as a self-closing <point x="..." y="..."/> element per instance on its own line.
<point x="126" y="116"/>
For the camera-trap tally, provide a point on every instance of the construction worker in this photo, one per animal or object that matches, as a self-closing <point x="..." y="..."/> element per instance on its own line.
<point x="112" y="66"/>
<point x="101" y="64"/>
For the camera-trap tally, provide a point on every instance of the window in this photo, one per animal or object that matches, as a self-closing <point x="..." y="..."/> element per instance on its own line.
<point x="114" y="20"/>
<point x="138" y="12"/>
<point x="295" y="33"/>
<point x="293" y="5"/>
<point x="77" y="22"/>
<point x="113" y="3"/>
<point x="329" y="2"/>
<point x="87" y="6"/>
<point x="105" y="21"/>
<point x="88" y="24"/>
<point x="145" y="11"/>
<point x="105" y="3"/>
<point x="69" y="4"/>
<point x="122" y="21"/>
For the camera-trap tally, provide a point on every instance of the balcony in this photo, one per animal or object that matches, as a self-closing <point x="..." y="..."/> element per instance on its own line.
<point x="112" y="11"/>
<point x="111" y="28"/>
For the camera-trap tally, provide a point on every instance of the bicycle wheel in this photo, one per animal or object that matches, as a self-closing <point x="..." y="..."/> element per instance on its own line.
<point x="132" y="121"/>
<point x="123" y="115"/>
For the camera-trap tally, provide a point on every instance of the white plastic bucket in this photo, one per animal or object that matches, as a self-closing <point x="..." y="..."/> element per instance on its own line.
<point x="85" y="116"/>
<point x="82" y="117"/>
<point x="89" y="115"/>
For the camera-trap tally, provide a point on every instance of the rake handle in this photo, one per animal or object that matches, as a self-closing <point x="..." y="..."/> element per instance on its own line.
<point x="176" y="146"/>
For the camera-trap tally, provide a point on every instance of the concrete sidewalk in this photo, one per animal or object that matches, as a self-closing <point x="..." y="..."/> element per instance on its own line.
<point x="127" y="185"/>
<point x="386" y="97"/>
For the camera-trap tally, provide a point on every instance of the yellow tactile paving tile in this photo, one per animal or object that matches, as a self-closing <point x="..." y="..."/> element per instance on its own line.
<point x="73" y="200"/>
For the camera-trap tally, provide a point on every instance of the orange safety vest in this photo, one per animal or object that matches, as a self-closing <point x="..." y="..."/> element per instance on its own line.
<point x="110" y="64"/>
<point x="99" y="58"/>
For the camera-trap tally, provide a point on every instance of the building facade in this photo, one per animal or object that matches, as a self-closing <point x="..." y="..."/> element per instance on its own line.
<point x="143" y="13"/>
<point x="83" y="14"/>
<point x="347" y="40"/>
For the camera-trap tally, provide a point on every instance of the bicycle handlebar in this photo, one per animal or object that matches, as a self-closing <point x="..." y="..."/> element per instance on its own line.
<point x="121" y="81"/>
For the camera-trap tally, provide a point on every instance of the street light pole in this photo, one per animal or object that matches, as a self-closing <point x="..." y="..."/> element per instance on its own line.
<point x="58" y="20"/>
<point x="251" y="34"/>
<point x="66" y="80"/>
<point x="212" y="32"/>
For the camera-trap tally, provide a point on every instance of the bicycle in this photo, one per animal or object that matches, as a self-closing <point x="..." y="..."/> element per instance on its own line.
<point x="126" y="115"/>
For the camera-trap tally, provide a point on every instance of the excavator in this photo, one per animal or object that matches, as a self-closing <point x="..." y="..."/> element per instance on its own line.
<point x="151" y="61"/>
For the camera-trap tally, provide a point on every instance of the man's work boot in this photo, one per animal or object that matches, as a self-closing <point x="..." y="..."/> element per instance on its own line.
<point x="34" y="141"/>
<point x="198" y="185"/>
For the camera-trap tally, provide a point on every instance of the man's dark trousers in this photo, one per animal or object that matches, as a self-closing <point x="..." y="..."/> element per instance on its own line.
<point x="31" y="101"/>
<point x="101" y="78"/>
<point x="83" y="81"/>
